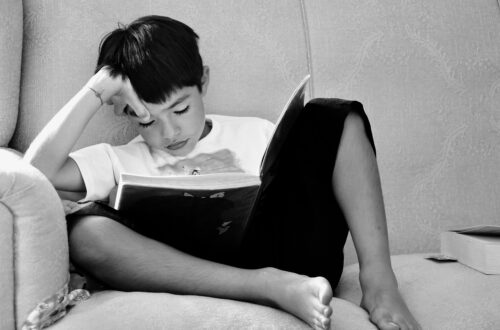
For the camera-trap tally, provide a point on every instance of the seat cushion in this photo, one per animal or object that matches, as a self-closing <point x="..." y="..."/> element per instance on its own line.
<point x="441" y="296"/>
<point x="140" y="310"/>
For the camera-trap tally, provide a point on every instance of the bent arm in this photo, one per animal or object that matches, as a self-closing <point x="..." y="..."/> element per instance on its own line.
<point x="50" y="149"/>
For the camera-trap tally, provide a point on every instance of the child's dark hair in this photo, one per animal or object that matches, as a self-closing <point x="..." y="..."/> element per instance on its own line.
<point x="158" y="54"/>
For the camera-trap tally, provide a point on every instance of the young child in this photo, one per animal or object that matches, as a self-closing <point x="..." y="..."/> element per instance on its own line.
<point x="327" y="183"/>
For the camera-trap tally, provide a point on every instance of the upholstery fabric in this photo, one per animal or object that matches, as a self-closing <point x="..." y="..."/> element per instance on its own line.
<point x="7" y="268"/>
<point x="140" y="310"/>
<point x="39" y="233"/>
<point x="11" y="30"/>
<point x="442" y="296"/>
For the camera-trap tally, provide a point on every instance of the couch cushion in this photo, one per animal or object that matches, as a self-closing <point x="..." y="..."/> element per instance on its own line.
<point x="442" y="296"/>
<point x="140" y="310"/>
<point x="11" y="39"/>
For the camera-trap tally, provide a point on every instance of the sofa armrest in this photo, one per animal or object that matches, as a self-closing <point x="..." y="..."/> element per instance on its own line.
<point x="6" y="269"/>
<point x="38" y="242"/>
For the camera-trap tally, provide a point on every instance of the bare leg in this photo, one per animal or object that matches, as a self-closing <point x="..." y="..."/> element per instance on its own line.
<point x="356" y="185"/>
<point x="127" y="260"/>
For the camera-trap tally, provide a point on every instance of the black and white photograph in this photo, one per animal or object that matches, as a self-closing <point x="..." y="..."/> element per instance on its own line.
<point x="250" y="164"/>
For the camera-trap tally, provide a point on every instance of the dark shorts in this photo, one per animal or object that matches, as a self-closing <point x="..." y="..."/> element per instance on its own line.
<point x="298" y="225"/>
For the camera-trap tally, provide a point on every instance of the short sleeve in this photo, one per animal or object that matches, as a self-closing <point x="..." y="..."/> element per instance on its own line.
<point x="96" y="166"/>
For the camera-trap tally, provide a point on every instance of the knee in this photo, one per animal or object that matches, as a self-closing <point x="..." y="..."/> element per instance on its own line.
<point x="354" y="126"/>
<point x="88" y="242"/>
<point x="355" y="133"/>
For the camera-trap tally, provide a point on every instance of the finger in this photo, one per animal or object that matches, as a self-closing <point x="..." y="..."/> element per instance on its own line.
<point x="140" y="110"/>
<point x="118" y="105"/>
<point x="133" y="100"/>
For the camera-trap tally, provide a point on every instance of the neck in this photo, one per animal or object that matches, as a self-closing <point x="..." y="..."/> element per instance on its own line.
<point x="206" y="129"/>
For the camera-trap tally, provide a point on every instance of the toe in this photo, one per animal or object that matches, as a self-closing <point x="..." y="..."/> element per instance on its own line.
<point x="317" y="325"/>
<point x="327" y="311"/>
<point x="322" y="321"/>
<point x="384" y="321"/>
<point x="388" y="325"/>
<point x="325" y="293"/>
<point x="325" y="322"/>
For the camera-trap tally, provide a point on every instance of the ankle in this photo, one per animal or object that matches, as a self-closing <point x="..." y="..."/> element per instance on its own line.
<point x="377" y="279"/>
<point x="277" y="285"/>
<point x="269" y="280"/>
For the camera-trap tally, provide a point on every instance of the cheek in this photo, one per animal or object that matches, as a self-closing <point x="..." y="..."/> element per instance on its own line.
<point x="193" y="124"/>
<point x="150" y="136"/>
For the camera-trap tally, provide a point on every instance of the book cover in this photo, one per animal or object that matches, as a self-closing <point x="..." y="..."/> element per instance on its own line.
<point x="204" y="213"/>
<point x="477" y="247"/>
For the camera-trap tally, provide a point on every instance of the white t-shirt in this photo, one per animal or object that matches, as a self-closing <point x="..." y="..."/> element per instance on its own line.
<point x="233" y="144"/>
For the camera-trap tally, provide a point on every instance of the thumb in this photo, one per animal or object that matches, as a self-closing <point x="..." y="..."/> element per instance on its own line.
<point x="140" y="109"/>
<point x="135" y="103"/>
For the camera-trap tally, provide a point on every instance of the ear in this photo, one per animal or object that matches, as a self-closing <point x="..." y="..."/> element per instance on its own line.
<point x="205" y="79"/>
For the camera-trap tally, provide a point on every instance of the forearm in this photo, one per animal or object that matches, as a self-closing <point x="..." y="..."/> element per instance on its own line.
<point x="50" y="149"/>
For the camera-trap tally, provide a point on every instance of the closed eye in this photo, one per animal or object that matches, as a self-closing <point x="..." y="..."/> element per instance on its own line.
<point x="180" y="112"/>
<point x="147" y="124"/>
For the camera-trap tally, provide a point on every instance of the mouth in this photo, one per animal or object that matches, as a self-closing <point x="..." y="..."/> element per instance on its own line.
<point x="177" y="145"/>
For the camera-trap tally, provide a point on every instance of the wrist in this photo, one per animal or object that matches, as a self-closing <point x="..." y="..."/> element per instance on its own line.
<point x="96" y="94"/>
<point x="103" y="86"/>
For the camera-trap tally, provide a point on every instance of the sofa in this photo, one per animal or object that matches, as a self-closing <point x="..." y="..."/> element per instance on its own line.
<point x="427" y="73"/>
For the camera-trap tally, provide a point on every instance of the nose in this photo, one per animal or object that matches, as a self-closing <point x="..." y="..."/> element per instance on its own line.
<point x="170" y="129"/>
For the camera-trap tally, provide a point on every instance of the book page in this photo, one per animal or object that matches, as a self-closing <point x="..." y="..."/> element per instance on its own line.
<point x="283" y="126"/>
<point x="489" y="230"/>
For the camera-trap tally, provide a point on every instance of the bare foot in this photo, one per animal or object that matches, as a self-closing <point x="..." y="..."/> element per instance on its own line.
<point x="305" y="297"/>
<point x="388" y="310"/>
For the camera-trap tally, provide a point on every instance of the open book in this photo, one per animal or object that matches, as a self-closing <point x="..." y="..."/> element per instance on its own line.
<point x="212" y="210"/>
<point x="477" y="247"/>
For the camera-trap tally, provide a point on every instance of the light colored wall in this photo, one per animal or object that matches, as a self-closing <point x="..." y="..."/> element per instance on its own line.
<point x="428" y="74"/>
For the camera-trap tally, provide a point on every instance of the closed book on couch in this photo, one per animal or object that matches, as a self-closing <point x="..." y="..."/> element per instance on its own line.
<point x="477" y="247"/>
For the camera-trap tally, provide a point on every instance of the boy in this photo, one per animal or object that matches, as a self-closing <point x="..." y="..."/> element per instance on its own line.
<point x="152" y="71"/>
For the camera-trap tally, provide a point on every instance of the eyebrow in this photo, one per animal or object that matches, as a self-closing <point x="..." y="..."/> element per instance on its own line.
<point x="181" y="99"/>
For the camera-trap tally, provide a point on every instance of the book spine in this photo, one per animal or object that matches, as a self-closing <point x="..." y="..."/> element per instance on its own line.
<point x="467" y="251"/>
<point x="492" y="261"/>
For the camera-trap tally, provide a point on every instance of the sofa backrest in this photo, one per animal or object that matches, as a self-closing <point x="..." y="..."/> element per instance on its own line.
<point x="427" y="72"/>
<point x="256" y="53"/>
<point x="11" y="39"/>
